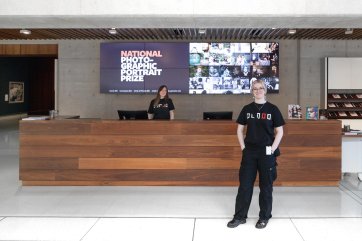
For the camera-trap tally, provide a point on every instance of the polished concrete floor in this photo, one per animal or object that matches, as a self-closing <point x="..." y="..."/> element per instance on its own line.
<point x="166" y="213"/>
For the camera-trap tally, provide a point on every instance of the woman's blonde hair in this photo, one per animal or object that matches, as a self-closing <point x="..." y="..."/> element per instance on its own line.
<point x="258" y="81"/>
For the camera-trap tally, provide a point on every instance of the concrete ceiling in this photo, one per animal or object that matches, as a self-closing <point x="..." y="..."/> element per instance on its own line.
<point x="50" y="19"/>
<point x="96" y="21"/>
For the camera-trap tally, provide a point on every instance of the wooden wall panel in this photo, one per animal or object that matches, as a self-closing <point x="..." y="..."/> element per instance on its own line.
<point x="152" y="127"/>
<point x="309" y="127"/>
<point x="29" y="50"/>
<point x="148" y="183"/>
<point x="69" y="127"/>
<point x="157" y="163"/>
<point x="112" y="152"/>
<point x="165" y="140"/>
<point x="131" y="140"/>
<point x="40" y="163"/>
<point x="39" y="49"/>
<point x="311" y="140"/>
<point x="9" y="49"/>
<point x="126" y="151"/>
<point x="133" y="175"/>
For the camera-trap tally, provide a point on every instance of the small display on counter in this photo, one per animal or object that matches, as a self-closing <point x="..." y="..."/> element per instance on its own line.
<point x="358" y="132"/>
<point x="36" y="118"/>
<point x="294" y="111"/>
<point x="350" y="133"/>
<point x="346" y="128"/>
<point x="312" y="113"/>
<point x="323" y="114"/>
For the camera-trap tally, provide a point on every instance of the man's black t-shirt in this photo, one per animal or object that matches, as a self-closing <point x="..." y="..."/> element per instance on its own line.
<point x="261" y="119"/>
<point x="162" y="109"/>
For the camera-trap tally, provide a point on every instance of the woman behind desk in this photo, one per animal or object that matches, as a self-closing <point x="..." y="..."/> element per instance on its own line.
<point x="161" y="107"/>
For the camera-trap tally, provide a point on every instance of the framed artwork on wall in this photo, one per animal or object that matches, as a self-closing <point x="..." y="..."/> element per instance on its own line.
<point x="16" y="92"/>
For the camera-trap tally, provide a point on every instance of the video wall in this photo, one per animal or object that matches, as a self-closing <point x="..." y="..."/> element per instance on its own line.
<point x="188" y="68"/>
<point x="230" y="68"/>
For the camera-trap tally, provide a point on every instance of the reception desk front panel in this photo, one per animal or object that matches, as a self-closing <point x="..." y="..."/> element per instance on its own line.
<point x="205" y="153"/>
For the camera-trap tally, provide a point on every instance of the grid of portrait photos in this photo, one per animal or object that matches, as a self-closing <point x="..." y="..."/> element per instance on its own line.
<point x="230" y="68"/>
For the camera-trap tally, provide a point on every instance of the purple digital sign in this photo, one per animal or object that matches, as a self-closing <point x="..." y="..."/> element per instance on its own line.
<point x="143" y="67"/>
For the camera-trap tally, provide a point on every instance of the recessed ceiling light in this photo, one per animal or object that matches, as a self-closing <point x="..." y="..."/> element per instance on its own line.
<point x="349" y="31"/>
<point x="112" y="31"/>
<point x="25" y="31"/>
<point x="292" y="31"/>
<point x="202" y="31"/>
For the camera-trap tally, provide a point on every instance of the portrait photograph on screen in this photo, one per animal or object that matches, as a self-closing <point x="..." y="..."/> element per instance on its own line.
<point x="230" y="68"/>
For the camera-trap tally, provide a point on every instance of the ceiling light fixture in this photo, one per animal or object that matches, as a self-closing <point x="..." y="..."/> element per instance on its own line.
<point x="292" y="31"/>
<point x="349" y="31"/>
<point x="25" y="31"/>
<point x="112" y="31"/>
<point x="202" y="31"/>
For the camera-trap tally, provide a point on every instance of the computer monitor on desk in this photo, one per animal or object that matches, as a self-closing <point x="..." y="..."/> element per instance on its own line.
<point x="132" y="114"/>
<point x="218" y="115"/>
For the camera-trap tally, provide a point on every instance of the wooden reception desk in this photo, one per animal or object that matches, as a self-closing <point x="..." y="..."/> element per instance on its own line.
<point x="200" y="153"/>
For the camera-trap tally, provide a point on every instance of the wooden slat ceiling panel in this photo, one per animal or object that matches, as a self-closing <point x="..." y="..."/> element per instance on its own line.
<point x="180" y="34"/>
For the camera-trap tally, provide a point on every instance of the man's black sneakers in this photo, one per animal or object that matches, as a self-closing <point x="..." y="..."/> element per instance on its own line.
<point x="261" y="224"/>
<point x="236" y="222"/>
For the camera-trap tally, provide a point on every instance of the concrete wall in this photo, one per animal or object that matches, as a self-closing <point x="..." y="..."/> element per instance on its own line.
<point x="301" y="75"/>
<point x="79" y="87"/>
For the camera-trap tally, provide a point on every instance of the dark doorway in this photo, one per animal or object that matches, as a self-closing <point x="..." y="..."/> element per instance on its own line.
<point x="41" y="85"/>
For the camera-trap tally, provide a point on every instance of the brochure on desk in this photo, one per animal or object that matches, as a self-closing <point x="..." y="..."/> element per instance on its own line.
<point x="312" y="112"/>
<point x="294" y="111"/>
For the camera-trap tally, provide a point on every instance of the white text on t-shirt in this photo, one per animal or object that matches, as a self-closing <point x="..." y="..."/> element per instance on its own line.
<point x="263" y="116"/>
